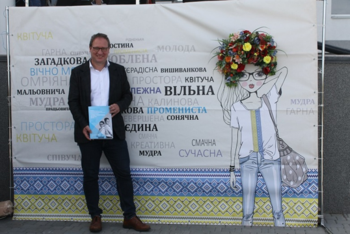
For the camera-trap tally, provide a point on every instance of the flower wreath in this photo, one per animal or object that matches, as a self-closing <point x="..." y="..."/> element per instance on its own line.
<point x="243" y="48"/>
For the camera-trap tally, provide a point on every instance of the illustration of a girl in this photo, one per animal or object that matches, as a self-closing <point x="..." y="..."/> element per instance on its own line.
<point x="249" y="65"/>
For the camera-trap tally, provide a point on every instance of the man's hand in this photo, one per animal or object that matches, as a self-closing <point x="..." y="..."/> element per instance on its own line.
<point x="86" y="132"/>
<point x="114" y="109"/>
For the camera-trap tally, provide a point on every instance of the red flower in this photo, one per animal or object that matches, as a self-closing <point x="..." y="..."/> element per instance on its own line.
<point x="262" y="39"/>
<point x="263" y="53"/>
<point x="252" y="60"/>
<point x="262" y="36"/>
<point x="247" y="32"/>
<point x="220" y="57"/>
<point x="246" y="39"/>
<point x="240" y="67"/>
<point x="266" y="70"/>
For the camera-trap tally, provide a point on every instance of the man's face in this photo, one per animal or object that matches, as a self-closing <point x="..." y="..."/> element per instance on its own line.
<point x="99" y="51"/>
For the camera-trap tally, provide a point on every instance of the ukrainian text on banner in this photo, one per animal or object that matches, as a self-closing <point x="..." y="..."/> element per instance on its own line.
<point x="179" y="139"/>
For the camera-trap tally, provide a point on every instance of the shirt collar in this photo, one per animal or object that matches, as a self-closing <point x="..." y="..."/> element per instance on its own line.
<point x="107" y="64"/>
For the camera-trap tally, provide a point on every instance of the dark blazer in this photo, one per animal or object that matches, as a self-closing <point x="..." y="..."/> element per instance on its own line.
<point x="79" y="98"/>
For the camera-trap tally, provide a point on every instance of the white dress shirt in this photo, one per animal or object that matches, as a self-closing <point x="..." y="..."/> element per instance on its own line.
<point x="99" y="86"/>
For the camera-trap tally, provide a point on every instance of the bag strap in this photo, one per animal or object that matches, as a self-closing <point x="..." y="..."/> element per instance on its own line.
<point x="267" y="102"/>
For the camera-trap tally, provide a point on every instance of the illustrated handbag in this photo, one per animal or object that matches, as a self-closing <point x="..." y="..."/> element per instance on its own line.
<point x="293" y="165"/>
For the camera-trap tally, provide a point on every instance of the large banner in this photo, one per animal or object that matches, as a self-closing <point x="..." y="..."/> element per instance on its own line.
<point x="185" y="127"/>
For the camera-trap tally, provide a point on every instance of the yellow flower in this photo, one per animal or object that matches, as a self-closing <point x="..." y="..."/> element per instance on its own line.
<point x="267" y="59"/>
<point x="234" y="66"/>
<point x="247" y="46"/>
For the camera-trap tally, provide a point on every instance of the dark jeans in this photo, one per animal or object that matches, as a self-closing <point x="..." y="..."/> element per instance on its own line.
<point x="117" y="154"/>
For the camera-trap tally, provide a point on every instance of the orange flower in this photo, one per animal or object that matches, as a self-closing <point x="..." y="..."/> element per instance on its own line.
<point x="238" y="59"/>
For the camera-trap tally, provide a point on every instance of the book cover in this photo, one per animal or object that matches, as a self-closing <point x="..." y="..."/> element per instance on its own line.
<point x="100" y="122"/>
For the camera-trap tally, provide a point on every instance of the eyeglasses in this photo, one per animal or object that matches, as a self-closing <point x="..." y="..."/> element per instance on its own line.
<point x="97" y="49"/>
<point x="258" y="75"/>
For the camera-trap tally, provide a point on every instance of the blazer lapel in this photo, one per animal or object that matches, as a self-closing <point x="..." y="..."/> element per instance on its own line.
<point x="86" y="82"/>
<point x="112" y="81"/>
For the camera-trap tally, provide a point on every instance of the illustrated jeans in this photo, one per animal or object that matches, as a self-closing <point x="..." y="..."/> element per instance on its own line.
<point x="117" y="154"/>
<point x="271" y="172"/>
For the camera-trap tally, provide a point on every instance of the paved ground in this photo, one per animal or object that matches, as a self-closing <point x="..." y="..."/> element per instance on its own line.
<point x="333" y="224"/>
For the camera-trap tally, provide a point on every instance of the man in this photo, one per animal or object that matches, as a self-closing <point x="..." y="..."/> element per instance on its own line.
<point x="102" y="130"/>
<point x="99" y="82"/>
<point x="108" y="129"/>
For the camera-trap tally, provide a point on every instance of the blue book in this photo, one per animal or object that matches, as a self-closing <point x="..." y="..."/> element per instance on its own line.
<point x="100" y="122"/>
